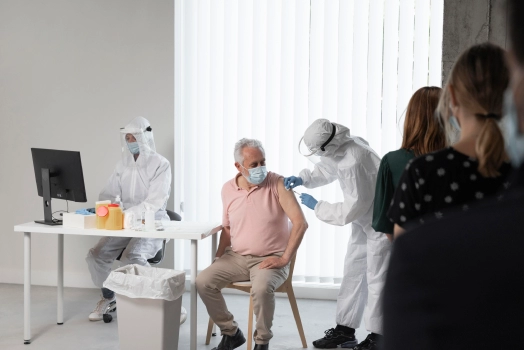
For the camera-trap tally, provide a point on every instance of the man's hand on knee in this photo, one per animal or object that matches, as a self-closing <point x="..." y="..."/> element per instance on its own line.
<point x="274" y="262"/>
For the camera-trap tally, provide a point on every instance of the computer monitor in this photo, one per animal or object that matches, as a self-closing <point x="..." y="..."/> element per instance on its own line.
<point x="58" y="175"/>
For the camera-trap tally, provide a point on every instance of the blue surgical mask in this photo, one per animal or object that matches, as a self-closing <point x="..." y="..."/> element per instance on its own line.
<point x="510" y="127"/>
<point x="454" y="122"/>
<point x="256" y="175"/>
<point x="133" y="147"/>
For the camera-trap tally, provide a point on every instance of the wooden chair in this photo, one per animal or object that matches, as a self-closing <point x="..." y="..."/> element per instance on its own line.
<point x="286" y="287"/>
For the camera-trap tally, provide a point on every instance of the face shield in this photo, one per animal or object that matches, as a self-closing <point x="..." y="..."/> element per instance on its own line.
<point x="311" y="155"/>
<point x="316" y="139"/>
<point x="137" y="144"/>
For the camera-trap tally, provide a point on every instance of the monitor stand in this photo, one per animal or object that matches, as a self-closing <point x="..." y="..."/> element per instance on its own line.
<point x="46" y="196"/>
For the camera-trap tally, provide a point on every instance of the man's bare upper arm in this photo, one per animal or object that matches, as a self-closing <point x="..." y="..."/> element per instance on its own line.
<point x="289" y="203"/>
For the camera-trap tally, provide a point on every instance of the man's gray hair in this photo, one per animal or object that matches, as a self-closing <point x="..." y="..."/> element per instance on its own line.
<point x="239" y="146"/>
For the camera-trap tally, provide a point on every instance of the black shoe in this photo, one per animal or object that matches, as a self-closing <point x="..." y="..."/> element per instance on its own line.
<point x="370" y="343"/>
<point x="261" y="347"/>
<point x="230" y="342"/>
<point x="334" y="338"/>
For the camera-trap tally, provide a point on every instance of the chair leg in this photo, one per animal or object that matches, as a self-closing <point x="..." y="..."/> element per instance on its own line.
<point x="294" y="308"/>
<point x="209" y="331"/>
<point x="250" y="323"/>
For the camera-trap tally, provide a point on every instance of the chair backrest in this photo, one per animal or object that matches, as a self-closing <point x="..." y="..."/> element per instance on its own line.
<point x="289" y="280"/>
<point x="291" y="267"/>
<point x="173" y="216"/>
<point x="157" y="259"/>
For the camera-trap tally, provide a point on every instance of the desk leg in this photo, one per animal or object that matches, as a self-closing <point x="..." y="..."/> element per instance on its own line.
<point x="27" y="287"/>
<point x="194" y="265"/>
<point x="213" y="254"/>
<point x="60" y="282"/>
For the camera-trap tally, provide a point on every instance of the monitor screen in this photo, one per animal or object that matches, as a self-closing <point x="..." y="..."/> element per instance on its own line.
<point x="65" y="172"/>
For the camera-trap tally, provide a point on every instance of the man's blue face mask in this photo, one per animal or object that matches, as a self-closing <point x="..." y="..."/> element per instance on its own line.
<point x="133" y="147"/>
<point x="256" y="175"/>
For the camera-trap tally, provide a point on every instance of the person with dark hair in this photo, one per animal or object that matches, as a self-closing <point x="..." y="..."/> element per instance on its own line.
<point x="422" y="134"/>
<point x="456" y="283"/>
<point x="474" y="167"/>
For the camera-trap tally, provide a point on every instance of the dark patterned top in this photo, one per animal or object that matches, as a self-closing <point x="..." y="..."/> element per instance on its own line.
<point x="390" y="171"/>
<point x="439" y="180"/>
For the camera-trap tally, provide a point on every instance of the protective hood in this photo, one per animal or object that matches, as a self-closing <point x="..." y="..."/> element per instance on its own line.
<point x="318" y="135"/>
<point x="142" y="132"/>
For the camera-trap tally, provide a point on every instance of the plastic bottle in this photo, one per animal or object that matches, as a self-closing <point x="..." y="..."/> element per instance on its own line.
<point x="101" y="217"/>
<point x="119" y="202"/>
<point x="150" y="219"/>
<point x="115" y="219"/>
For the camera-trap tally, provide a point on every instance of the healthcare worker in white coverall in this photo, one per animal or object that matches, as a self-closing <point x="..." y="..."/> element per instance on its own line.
<point x="142" y="179"/>
<point x="351" y="161"/>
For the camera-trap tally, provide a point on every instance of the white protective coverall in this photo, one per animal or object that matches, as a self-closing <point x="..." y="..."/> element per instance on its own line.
<point x="143" y="183"/>
<point x="351" y="161"/>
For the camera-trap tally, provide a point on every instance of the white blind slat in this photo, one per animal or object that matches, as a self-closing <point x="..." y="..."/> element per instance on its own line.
<point x="246" y="63"/>
<point x="435" y="42"/>
<point x="360" y="68"/>
<point x="374" y="96"/>
<point x="390" y="128"/>
<point x="300" y="105"/>
<point x="405" y="60"/>
<point x="421" y="44"/>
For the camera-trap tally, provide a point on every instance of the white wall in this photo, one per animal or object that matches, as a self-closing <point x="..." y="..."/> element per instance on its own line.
<point x="72" y="72"/>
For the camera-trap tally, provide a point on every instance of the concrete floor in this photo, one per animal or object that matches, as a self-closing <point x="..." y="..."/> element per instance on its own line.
<point x="79" y="333"/>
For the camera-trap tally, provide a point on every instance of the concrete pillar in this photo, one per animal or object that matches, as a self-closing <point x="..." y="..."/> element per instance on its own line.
<point x="469" y="22"/>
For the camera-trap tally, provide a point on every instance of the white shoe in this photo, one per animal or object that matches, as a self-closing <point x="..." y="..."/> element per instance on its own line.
<point x="183" y="315"/>
<point x="101" y="306"/>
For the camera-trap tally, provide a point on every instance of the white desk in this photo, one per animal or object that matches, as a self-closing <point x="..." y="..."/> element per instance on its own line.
<point x="193" y="231"/>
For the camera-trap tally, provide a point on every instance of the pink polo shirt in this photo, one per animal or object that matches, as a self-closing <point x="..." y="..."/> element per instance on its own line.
<point x="259" y="225"/>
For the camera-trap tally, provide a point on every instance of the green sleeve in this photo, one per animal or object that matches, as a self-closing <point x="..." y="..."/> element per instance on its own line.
<point x="384" y="191"/>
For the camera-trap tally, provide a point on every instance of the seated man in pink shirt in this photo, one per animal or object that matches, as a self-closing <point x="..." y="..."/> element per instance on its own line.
<point x="256" y="244"/>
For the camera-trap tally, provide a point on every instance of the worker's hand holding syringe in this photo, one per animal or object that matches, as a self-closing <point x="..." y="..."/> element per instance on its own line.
<point x="306" y="199"/>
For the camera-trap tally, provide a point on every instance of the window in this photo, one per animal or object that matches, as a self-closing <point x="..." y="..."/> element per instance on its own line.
<point x="267" y="69"/>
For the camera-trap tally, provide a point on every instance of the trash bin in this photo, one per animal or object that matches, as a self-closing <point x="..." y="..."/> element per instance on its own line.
<point x="149" y="301"/>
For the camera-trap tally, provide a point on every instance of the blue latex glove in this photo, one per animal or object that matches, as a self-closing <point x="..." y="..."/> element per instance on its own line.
<point x="308" y="200"/>
<point x="83" y="212"/>
<point x="292" y="182"/>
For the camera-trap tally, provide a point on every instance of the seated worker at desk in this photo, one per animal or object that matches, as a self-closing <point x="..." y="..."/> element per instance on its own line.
<point x="256" y="244"/>
<point x="142" y="178"/>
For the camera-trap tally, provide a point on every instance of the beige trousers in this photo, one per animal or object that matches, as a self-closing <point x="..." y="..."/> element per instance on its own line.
<point x="233" y="267"/>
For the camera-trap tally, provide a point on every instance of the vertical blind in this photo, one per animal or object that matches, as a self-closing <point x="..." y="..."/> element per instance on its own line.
<point x="266" y="69"/>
